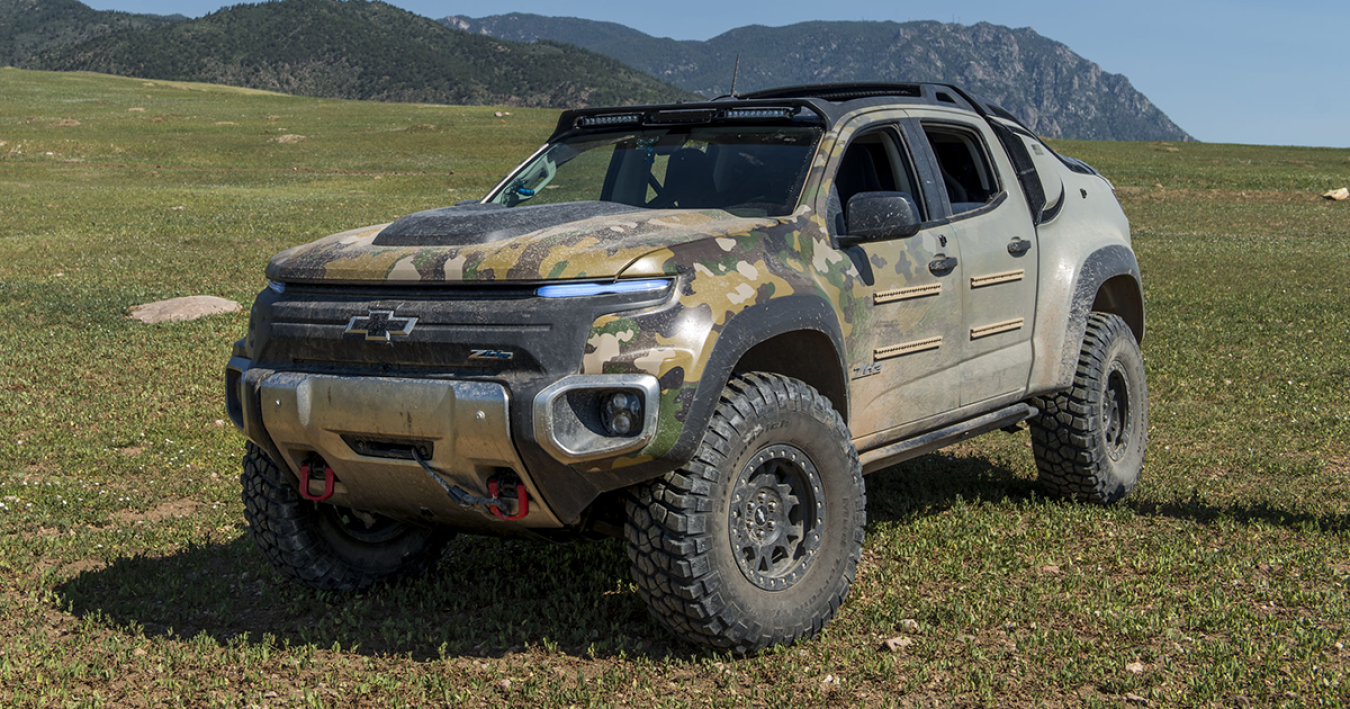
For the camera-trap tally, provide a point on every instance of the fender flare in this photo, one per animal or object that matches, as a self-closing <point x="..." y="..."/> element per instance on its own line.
<point x="750" y="327"/>
<point x="1099" y="267"/>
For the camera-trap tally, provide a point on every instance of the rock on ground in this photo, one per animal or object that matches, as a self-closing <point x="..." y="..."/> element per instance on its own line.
<point x="183" y="309"/>
<point x="1338" y="195"/>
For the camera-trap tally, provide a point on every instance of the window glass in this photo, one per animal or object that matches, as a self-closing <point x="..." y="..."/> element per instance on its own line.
<point x="749" y="170"/>
<point x="966" y="173"/>
<point x="873" y="162"/>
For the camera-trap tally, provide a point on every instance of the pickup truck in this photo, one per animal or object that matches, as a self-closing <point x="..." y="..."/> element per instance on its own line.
<point x="696" y="327"/>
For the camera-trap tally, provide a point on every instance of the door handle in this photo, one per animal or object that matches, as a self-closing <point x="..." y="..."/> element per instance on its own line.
<point x="1018" y="246"/>
<point x="942" y="265"/>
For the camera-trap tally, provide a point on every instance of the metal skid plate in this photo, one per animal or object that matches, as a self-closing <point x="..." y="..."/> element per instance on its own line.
<point x="462" y="427"/>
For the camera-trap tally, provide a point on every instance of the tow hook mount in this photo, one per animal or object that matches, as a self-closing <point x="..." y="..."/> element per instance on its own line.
<point x="329" y="481"/>
<point x="494" y="503"/>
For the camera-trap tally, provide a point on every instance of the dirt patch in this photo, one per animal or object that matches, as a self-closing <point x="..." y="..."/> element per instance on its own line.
<point x="64" y="123"/>
<point x="182" y="309"/>
<point x="289" y="139"/>
<point x="131" y="451"/>
<point x="174" y="509"/>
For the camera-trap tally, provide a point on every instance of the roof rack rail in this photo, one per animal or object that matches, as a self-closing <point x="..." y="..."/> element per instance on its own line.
<point x="839" y="93"/>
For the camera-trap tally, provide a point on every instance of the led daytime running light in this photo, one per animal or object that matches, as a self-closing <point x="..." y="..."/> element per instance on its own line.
<point x="581" y="290"/>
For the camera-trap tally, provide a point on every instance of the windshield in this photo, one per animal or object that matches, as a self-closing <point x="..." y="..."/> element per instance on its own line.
<point x="748" y="170"/>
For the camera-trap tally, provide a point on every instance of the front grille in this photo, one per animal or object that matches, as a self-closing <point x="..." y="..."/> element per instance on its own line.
<point x="474" y="330"/>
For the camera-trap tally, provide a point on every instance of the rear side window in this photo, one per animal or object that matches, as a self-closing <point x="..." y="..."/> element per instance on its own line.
<point x="966" y="173"/>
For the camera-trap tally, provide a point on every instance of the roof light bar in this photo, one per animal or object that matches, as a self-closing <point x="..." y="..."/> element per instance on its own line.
<point x="613" y="119"/>
<point x="761" y="113"/>
<point x="581" y="290"/>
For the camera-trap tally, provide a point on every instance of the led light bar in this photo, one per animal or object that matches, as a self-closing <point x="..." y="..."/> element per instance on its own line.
<point x="760" y="113"/>
<point x="581" y="290"/>
<point x="614" y="119"/>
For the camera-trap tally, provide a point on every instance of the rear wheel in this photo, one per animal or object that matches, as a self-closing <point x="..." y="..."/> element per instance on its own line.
<point x="1089" y="440"/>
<point x="756" y="541"/>
<point x="324" y="546"/>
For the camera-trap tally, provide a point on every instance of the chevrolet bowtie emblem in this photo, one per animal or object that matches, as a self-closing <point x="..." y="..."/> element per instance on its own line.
<point x="379" y="325"/>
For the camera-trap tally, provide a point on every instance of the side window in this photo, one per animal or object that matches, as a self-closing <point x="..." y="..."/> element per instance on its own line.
<point x="873" y="162"/>
<point x="966" y="173"/>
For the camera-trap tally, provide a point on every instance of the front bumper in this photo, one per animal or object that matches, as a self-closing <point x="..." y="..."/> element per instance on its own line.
<point x="367" y="428"/>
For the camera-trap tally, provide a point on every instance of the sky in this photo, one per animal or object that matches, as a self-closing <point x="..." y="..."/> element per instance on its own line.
<point x="1239" y="71"/>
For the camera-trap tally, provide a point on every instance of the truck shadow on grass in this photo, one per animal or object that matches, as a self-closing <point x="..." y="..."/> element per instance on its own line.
<point x="488" y="597"/>
<point x="491" y="597"/>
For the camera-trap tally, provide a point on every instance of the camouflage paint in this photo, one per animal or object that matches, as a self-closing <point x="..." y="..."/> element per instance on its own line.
<point x="724" y="265"/>
<point x="593" y="248"/>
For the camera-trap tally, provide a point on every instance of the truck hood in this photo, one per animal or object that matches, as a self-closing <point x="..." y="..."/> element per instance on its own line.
<point x="484" y="243"/>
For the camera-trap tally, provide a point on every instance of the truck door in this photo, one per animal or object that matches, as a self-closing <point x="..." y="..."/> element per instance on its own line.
<point x="907" y="369"/>
<point x="998" y="257"/>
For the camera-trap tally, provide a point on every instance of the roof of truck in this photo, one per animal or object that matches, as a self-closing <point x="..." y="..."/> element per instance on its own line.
<point x="829" y="102"/>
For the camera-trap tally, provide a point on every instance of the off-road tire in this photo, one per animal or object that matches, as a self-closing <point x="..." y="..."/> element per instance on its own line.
<point x="1089" y="440"/>
<point x="327" y="547"/>
<point x="771" y="439"/>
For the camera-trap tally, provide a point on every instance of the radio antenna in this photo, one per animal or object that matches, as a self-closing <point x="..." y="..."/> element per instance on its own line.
<point x="735" y="73"/>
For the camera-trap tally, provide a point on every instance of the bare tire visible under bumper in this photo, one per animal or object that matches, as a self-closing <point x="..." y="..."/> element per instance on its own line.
<point x="324" y="546"/>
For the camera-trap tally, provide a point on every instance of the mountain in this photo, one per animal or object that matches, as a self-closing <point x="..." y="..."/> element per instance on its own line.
<point x="358" y="49"/>
<point x="1056" y="92"/>
<point x="29" y="26"/>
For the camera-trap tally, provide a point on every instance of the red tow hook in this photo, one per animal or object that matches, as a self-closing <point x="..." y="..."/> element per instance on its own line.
<point x="329" y="478"/>
<point x="522" y="507"/>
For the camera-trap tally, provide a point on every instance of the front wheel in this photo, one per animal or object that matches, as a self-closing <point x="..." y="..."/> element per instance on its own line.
<point x="324" y="546"/>
<point x="756" y="540"/>
<point x="1089" y="440"/>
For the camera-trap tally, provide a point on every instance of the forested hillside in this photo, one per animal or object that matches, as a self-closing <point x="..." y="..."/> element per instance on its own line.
<point x="29" y="26"/>
<point x="359" y="49"/>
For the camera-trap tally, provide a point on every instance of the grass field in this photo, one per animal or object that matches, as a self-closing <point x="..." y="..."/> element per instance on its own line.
<point x="127" y="578"/>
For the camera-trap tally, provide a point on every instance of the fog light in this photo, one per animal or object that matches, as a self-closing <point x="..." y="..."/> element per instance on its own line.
<point x="622" y="413"/>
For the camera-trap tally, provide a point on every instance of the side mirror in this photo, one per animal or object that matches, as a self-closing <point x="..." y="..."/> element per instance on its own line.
<point x="878" y="216"/>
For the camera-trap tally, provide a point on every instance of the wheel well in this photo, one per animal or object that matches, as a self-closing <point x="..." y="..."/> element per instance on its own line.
<point x="807" y="355"/>
<point x="1121" y="296"/>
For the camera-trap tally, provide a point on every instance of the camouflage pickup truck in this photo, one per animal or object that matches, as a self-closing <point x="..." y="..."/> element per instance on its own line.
<point x="696" y="327"/>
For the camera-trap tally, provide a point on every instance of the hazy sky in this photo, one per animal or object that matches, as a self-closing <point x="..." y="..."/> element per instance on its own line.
<point x="1239" y="71"/>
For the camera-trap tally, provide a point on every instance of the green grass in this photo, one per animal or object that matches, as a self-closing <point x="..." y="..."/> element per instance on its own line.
<point x="127" y="578"/>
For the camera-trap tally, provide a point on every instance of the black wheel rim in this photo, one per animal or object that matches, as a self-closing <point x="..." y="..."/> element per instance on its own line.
<point x="777" y="514"/>
<point x="1116" y="424"/>
<point x="364" y="527"/>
